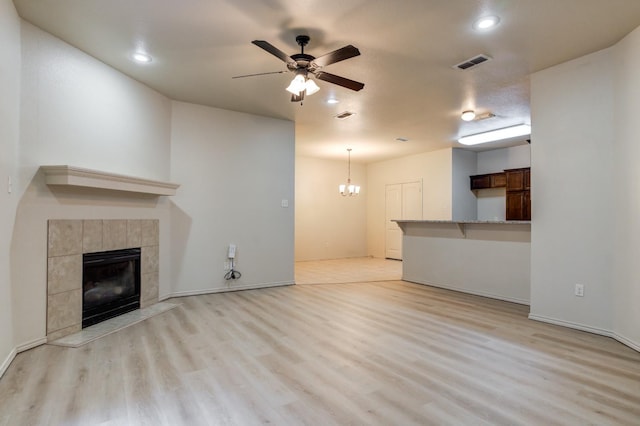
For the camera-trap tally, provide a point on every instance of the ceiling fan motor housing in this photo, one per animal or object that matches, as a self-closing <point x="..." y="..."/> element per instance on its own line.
<point x="302" y="60"/>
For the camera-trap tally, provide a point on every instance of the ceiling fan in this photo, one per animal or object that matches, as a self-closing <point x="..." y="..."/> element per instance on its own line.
<point x="303" y="64"/>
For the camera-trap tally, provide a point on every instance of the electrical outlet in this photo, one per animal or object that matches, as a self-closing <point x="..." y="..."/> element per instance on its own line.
<point x="579" y="291"/>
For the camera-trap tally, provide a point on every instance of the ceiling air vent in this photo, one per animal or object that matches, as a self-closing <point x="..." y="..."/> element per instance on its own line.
<point x="344" y="115"/>
<point x="473" y="62"/>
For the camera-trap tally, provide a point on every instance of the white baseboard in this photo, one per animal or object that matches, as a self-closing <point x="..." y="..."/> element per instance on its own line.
<point x="582" y="327"/>
<point x="32" y="344"/>
<point x="628" y="342"/>
<point x="225" y="289"/>
<point x="21" y="348"/>
<point x="5" y="364"/>
<point x="474" y="292"/>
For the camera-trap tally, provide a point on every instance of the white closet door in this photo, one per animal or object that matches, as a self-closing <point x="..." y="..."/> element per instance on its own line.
<point x="393" y="210"/>
<point x="403" y="201"/>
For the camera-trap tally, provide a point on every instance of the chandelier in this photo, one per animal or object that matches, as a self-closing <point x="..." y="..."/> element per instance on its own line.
<point x="349" y="189"/>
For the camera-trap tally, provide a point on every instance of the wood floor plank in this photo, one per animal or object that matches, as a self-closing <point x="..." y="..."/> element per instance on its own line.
<point x="383" y="352"/>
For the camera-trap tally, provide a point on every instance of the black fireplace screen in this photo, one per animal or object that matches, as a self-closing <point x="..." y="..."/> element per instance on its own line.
<point x="111" y="284"/>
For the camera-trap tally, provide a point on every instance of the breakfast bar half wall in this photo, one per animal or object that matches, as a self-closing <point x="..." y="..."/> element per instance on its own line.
<point x="485" y="258"/>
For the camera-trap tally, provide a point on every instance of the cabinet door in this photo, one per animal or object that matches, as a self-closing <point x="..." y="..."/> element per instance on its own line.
<point x="480" y="182"/>
<point x="515" y="205"/>
<point x="527" y="205"/>
<point x="527" y="178"/>
<point x="498" y="180"/>
<point x="515" y="180"/>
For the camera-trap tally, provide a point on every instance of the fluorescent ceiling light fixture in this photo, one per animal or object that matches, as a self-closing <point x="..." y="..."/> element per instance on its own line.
<point x="468" y="115"/>
<point x="486" y="22"/>
<point x="142" y="58"/>
<point x="332" y="101"/>
<point x="496" y="135"/>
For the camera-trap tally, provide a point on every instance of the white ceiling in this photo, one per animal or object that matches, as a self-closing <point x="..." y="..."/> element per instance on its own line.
<point x="408" y="48"/>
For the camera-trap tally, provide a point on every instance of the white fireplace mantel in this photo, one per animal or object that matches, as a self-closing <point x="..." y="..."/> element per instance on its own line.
<point x="76" y="176"/>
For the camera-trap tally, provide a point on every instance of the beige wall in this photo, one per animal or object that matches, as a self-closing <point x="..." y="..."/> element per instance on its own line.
<point x="9" y="136"/>
<point x="434" y="169"/>
<point x="571" y="239"/>
<point x="626" y="184"/>
<point x="586" y="200"/>
<point x="75" y="110"/>
<point x="235" y="170"/>
<point x="328" y="225"/>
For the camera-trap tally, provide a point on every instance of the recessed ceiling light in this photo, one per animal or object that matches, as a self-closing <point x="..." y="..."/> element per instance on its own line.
<point x="332" y="101"/>
<point x="142" y="58"/>
<point x="486" y="22"/>
<point x="468" y="115"/>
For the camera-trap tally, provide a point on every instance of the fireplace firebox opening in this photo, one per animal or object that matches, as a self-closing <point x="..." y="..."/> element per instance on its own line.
<point x="110" y="284"/>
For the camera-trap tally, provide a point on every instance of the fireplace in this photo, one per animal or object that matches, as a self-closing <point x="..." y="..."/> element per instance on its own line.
<point x="110" y="284"/>
<point x="70" y="239"/>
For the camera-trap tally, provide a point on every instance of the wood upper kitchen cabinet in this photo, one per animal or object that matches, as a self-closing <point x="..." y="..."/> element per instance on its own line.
<point x="518" y="202"/>
<point x="491" y="180"/>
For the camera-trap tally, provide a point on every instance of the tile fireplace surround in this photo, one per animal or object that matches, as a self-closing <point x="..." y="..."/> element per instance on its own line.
<point x="68" y="240"/>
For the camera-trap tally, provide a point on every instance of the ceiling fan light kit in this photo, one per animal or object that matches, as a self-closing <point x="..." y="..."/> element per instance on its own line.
<point x="304" y="64"/>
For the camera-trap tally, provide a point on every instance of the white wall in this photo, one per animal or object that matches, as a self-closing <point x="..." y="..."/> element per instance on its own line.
<point x="9" y="136"/>
<point x="328" y="225"/>
<point x="435" y="171"/>
<point x="75" y="110"/>
<point x="624" y="217"/>
<point x="464" y="203"/>
<point x="573" y="203"/>
<point x="492" y="202"/>
<point x="235" y="170"/>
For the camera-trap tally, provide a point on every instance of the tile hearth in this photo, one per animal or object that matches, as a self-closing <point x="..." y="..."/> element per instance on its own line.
<point x="112" y="325"/>
<point x="68" y="240"/>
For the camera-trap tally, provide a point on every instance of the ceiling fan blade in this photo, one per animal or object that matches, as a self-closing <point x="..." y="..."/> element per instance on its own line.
<point x="340" y="81"/>
<point x="337" y="56"/>
<point x="265" y="45"/>
<point x="260" y="73"/>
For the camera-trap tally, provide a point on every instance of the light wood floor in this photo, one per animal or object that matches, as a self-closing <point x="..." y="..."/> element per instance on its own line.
<point x="354" y="270"/>
<point x="388" y="353"/>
